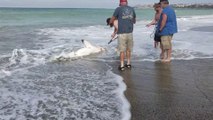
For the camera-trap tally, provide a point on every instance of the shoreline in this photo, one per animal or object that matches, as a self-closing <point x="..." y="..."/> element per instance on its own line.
<point x="180" y="90"/>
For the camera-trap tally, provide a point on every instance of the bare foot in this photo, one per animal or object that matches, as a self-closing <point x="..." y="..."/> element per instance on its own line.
<point x="162" y="56"/>
<point x="168" y="60"/>
<point x="163" y="60"/>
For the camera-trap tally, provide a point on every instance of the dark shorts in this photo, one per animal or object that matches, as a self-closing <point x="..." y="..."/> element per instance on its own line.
<point x="157" y="37"/>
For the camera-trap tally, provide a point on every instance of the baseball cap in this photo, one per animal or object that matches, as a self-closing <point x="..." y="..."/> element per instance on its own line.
<point x="164" y="1"/>
<point x="123" y="1"/>
<point x="156" y="5"/>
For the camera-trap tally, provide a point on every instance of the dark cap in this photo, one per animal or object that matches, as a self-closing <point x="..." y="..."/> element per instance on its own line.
<point x="108" y="20"/>
<point x="157" y="5"/>
<point x="164" y="0"/>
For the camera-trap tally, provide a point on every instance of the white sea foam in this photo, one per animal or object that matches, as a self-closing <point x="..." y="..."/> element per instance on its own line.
<point x="21" y="59"/>
<point x="126" y="115"/>
<point x="66" y="40"/>
<point x="143" y="39"/>
<point x="77" y="93"/>
<point x="7" y="73"/>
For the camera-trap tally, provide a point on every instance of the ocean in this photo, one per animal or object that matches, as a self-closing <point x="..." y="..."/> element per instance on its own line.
<point x="34" y="86"/>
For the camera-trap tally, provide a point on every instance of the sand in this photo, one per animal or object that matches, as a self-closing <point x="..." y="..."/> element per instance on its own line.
<point x="180" y="90"/>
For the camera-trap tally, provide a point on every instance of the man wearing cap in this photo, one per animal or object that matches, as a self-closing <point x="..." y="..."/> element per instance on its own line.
<point x="126" y="18"/>
<point x="157" y="39"/>
<point x="167" y="27"/>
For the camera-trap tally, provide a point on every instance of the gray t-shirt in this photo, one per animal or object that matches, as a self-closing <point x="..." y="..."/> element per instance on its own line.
<point x="125" y="16"/>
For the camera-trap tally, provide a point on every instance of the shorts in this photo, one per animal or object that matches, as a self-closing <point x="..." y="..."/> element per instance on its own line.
<point x="125" y="42"/>
<point x="166" y="42"/>
<point x="157" y="37"/>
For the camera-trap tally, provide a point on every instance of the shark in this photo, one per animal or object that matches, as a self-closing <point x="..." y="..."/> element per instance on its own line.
<point x="88" y="49"/>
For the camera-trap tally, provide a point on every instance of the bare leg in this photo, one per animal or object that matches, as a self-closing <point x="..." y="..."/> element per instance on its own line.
<point x="122" y="59"/>
<point x="128" y="54"/>
<point x="162" y="52"/>
<point x="169" y="55"/>
<point x="168" y="58"/>
<point x="155" y="44"/>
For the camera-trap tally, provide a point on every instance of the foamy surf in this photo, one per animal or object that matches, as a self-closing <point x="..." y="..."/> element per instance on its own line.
<point x="186" y="39"/>
<point x="35" y="87"/>
<point x="126" y="115"/>
<point x="80" y="91"/>
<point x="21" y="59"/>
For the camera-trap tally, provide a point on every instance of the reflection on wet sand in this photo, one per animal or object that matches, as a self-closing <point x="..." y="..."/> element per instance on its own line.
<point x="180" y="90"/>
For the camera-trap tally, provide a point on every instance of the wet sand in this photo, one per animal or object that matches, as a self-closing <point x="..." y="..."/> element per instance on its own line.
<point x="180" y="90"/>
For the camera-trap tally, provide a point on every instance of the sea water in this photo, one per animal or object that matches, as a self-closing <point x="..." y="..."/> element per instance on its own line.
<point x="35" y="87"/>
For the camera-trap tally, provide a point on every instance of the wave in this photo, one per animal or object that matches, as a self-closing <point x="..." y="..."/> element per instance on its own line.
<point x="84" y="90"/>
<point x="143" y="42"/>
<point x="64" y="43"/>
<point x="21" y="59"/>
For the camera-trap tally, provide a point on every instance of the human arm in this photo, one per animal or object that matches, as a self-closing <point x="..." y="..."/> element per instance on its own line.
<point x="115" y="24"/>
<point x="112" y="20"/>
<point x="114" y="17"/>
<point x="152" y="23"/>
<point x="134" y="16"/>
<point x="163" y="23"/>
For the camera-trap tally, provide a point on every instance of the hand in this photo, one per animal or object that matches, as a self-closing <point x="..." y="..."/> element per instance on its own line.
<point x="157" y="33"/>
<point x="113" y="35"/>
<point x="148" y="25"/>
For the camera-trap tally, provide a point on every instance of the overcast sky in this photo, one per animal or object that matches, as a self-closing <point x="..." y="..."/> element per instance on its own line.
<point x="84" y="3"/>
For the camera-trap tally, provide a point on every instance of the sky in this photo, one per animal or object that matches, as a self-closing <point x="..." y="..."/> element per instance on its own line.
<point x="84" y="3"/>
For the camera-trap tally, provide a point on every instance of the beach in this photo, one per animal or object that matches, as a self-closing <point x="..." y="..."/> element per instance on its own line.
<point x="180" y="90"/>
<point x="48" y="73"/>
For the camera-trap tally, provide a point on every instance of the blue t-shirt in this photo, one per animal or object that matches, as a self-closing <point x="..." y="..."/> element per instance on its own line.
<point x="125" y="16"/>
<point x="171" y="23"/>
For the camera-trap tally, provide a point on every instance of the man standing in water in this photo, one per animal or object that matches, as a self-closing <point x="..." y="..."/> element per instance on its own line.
<point x="157" y="39"/>
<point x="126" y="18"/>
<point x="167" y="28"/>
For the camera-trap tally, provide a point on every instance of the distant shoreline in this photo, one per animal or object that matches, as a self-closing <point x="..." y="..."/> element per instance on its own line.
<point x="203" y="6"/>
<point x="139" y="6"/>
